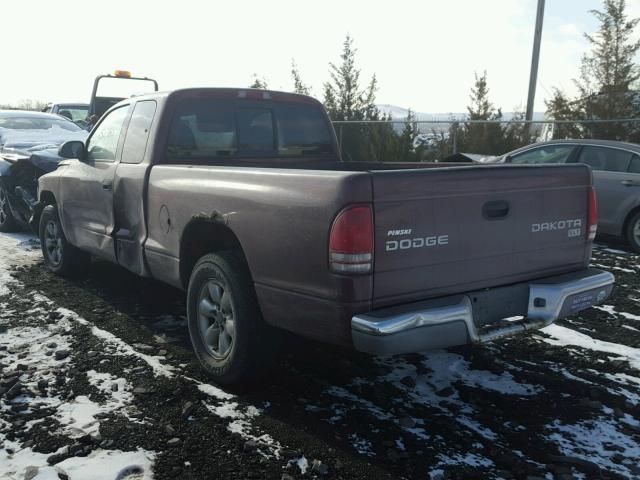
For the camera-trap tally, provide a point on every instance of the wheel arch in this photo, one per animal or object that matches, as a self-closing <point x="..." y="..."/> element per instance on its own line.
<point x="46" y="198"/>
<point x="628" y="218"/>
<point x="201" y="237"/>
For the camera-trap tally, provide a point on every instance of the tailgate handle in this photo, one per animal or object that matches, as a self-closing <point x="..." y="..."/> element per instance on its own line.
<point x="495" y="210"/>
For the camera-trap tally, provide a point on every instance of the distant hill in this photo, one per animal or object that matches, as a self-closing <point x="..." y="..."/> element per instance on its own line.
<point x="400" y="113"/>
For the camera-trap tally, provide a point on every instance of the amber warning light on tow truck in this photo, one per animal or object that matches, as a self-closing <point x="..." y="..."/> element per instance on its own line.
<point x="122" y="73"/>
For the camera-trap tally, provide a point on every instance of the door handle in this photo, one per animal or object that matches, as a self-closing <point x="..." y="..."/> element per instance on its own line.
<point x="630" y="183"/>
<point x="107" y="185"/>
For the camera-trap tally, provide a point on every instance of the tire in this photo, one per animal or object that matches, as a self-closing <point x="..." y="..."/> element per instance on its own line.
<point x="227" y="332"/>
<point x="7" y="221"/>
<point x="633" y="231"/>
<point x="60" y="256"/>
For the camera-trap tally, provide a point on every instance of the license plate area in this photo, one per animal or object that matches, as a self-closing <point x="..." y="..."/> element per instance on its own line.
<point x="583" y="300"/>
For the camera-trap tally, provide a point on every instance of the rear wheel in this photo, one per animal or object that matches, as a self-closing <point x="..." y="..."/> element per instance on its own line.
<point x="227" y="332"/>
<point x="59" y="255"/>
<point x="633" y="232"/>
<point x="7" y="221"/>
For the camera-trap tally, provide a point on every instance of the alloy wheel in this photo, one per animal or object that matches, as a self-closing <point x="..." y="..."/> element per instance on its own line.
<point x="53" y="242"/>
<point x="216" y="320"/>
<point x="4" y="206"/>
<point x="636" y="231"/>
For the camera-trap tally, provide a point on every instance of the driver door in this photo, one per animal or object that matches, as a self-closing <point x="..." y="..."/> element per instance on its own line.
<point x="87" y="188"/>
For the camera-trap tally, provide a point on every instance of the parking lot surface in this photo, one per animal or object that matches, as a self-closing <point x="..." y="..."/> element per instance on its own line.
<point x="98" y="381"/>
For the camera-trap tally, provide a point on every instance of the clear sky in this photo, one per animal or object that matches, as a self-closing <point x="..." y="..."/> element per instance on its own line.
<point x="424" y="52"/>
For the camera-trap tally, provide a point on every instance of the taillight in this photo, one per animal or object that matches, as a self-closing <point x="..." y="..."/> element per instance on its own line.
<point x="351" y="241"/>
<point x="593" y="214"/>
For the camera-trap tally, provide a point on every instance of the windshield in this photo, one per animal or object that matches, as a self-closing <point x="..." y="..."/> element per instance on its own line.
<point x="37" y="123"/>
<point x="223" y="128"/>
<point x="73" y="113"/>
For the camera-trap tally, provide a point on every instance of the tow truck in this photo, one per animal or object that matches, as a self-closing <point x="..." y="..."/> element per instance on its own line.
<point x="101" y="102"/>
<point x="86" y="115"/>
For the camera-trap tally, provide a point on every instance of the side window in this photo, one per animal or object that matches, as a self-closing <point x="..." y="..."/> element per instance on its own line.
<point x="634" y="166"/>
<point x="202" y="129"/>
<point x="135" y="140"/>
<point x="255" y="130"/>
<point x="607" y="159"/>
<point x="104" y="140"/>
<point x="302" y="130"/>
<point x="546" y="154"/>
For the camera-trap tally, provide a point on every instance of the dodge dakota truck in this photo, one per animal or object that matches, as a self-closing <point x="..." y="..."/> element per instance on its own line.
<point x="240" y="198"/>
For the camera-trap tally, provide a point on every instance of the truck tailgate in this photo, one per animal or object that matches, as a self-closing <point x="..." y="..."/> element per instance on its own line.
<point x="450" y="230"/>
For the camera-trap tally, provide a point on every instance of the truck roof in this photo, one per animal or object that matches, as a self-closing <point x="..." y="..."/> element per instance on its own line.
<point x="231" y="93"/>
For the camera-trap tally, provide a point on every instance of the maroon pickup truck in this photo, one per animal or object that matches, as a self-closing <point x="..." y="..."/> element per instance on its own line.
<point x="239" y="197"/>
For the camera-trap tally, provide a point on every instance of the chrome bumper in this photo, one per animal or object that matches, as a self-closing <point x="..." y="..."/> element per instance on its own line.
<point x="449" y="321"/>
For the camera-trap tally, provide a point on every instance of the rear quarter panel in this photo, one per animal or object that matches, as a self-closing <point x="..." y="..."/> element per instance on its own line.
<point x="282" y="218"/>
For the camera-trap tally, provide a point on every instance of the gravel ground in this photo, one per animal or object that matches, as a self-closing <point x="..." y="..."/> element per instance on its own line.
<point x="97" y="381"/>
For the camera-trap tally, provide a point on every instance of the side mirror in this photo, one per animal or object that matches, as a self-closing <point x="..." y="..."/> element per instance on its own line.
<point x="72" y="149"/>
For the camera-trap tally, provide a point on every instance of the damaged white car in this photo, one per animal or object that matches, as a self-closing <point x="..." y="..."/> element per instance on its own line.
<point x="29" y="144"/>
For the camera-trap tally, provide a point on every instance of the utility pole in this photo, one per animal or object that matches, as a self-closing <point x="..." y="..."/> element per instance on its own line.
<point x="535" y="57"/>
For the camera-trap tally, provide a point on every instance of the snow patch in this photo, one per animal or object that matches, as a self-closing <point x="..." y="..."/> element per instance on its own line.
<point x="78" y="417"/>
<point x="612" y="311"/>
<point x="122" y="348"/>
<point x="109" y="465"/>
<point x="362" y="445"/>
<point x="302" y="464"/>
<point x="213" y="391"/>
<point x="15" y="249"/>
<point x="119" y="397"/>
<point x="470" y="459"/>
<point x="590" y="440"/>
<point x="563" y="336"/>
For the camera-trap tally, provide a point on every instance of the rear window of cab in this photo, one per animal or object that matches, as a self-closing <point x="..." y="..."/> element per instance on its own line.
<point x="223" y="129"/>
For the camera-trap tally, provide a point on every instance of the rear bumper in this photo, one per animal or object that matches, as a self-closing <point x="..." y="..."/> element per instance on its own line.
<point x="449" y="321"/>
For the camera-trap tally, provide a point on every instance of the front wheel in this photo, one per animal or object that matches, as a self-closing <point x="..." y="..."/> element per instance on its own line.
<point x="7" y="221"/>
<point x="59" y="255"/>
<point x="224" y="319"/>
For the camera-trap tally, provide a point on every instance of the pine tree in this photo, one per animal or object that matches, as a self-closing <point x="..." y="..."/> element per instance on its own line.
<point x="343" y="96"/>
<point x="259" y="82"/>
<point x="609" y="74"/>
<point x="344" y="99"/>
<point x="517" y="133"/>
<point x="343" y="89"/>
<point x="406" y="150"/>
<point x="560" y="107"/>
<point x="484" y="138"/>
<point x="298" y="85"/>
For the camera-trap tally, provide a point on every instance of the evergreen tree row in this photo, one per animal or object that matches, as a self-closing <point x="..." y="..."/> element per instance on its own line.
<point x="607" y="89"/>
<point x="608" y="83"/>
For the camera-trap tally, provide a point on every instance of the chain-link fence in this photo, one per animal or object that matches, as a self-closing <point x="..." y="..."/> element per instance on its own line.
<point x="435" y="140"/>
